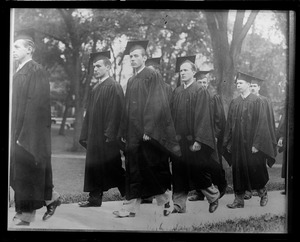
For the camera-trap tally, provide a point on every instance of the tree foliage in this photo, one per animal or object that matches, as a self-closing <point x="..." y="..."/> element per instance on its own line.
<point x="66" y="37"/>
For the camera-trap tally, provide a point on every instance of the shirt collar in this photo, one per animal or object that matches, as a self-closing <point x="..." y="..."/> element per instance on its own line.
<point x="186" y="86"/>
<point x="245" y="96"/>
<point x="21" y="65"/>
<point x="103" y="79"/>
<point x="139" y="71"/>
<point x="100" y="81"/>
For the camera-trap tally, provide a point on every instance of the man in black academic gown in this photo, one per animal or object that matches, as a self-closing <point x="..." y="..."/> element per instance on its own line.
<point x="255" y="87"/>
<point x="256" y="84"/>
<point x="191" y="113"/>
<point x="30" y="150"/>
<point x="218" y="116"/>
<point x="154" y="63"/>
<point x="103" y="167"/>
<point x="147" y="130"/>
<point x="248" y="143"/>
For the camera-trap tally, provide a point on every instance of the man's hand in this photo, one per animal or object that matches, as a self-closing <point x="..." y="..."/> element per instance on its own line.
<point x="196" y="146"/>
<point x="254" y="150"/>
<point x="280" y="144"/>
<point x="146" y="137"/>
<point x="123" y="140"/>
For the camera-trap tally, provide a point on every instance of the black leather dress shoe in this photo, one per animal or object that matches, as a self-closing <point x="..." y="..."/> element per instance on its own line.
<point x="248" y="195"/>
<point x="264" y="200"/>
<point x="87" y="204"/>
<point x="235" y="204"/>
<point x="213" y="206"/>
<point x="51" y="209"/>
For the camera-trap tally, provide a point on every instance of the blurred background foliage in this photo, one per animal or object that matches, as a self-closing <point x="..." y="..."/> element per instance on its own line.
<point x="226" y="41"/>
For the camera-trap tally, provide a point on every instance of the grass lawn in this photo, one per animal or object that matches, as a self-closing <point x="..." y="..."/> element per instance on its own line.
<point x="68" y="173"/>
<point x="265" y="223"/>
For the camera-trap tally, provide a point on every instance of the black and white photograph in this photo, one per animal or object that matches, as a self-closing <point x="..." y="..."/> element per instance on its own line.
<point x="150" y="120"/>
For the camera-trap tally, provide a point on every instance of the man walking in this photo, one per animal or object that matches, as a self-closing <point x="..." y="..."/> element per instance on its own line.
<point x="219" y="121"/>
<point x="30" y="154"/>
<point x="190" y="107"/>
<point x="148" y="131"/>
<point x="255" y="87"/>
<point x="248" y="143"/>
<point x="154" y="63"/>
<point x="103" y="167"/>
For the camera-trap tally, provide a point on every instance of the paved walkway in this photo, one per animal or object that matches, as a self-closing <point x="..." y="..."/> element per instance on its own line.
<point x="71" y="217"/>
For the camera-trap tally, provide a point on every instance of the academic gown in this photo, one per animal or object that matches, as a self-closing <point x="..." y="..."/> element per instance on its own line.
<point x="192" y="119"/>
<point x="271" y="125"/>
<point x="169" y="91"/>
<point x="147" y="111"/>
<point x="219" y="122"/>
<point x="103" y="167"/>
<point x="30" y="163"/>
<point x="247" y="126"/>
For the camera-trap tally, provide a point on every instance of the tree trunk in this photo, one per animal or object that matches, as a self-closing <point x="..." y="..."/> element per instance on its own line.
<point x="63" y="122"/>
<point x="79" y="107"/>
<point x="223" y="63"/>
<point x="225" y="55"/>
<point x="77" y="127"/>
<point x="64" y="118"/>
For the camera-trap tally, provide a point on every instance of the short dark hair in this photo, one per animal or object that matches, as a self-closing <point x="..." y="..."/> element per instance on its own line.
<point x="193" y="66"/>
<point x="105" y="60"/>
<point x="138" y="47"/>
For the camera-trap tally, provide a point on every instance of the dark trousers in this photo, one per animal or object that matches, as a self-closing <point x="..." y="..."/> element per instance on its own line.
<point x="217" y="174"/>
<point x="191" y="171"/>
<point x="147" y="171"/>
<point x="28" y="182"/>
<point x="252" y="175"/>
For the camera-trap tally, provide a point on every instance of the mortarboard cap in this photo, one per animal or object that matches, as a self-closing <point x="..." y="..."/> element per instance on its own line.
<point x="98" y="56"/>
<point x="199" y="74"/>
<point x="28" y="33"/>
<point x="244" y="76"/>
<point x="134" y="43"/>
<point x="153" y="61"/>
<point x="181" y="60"/>
<point x="257" y="80"/>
